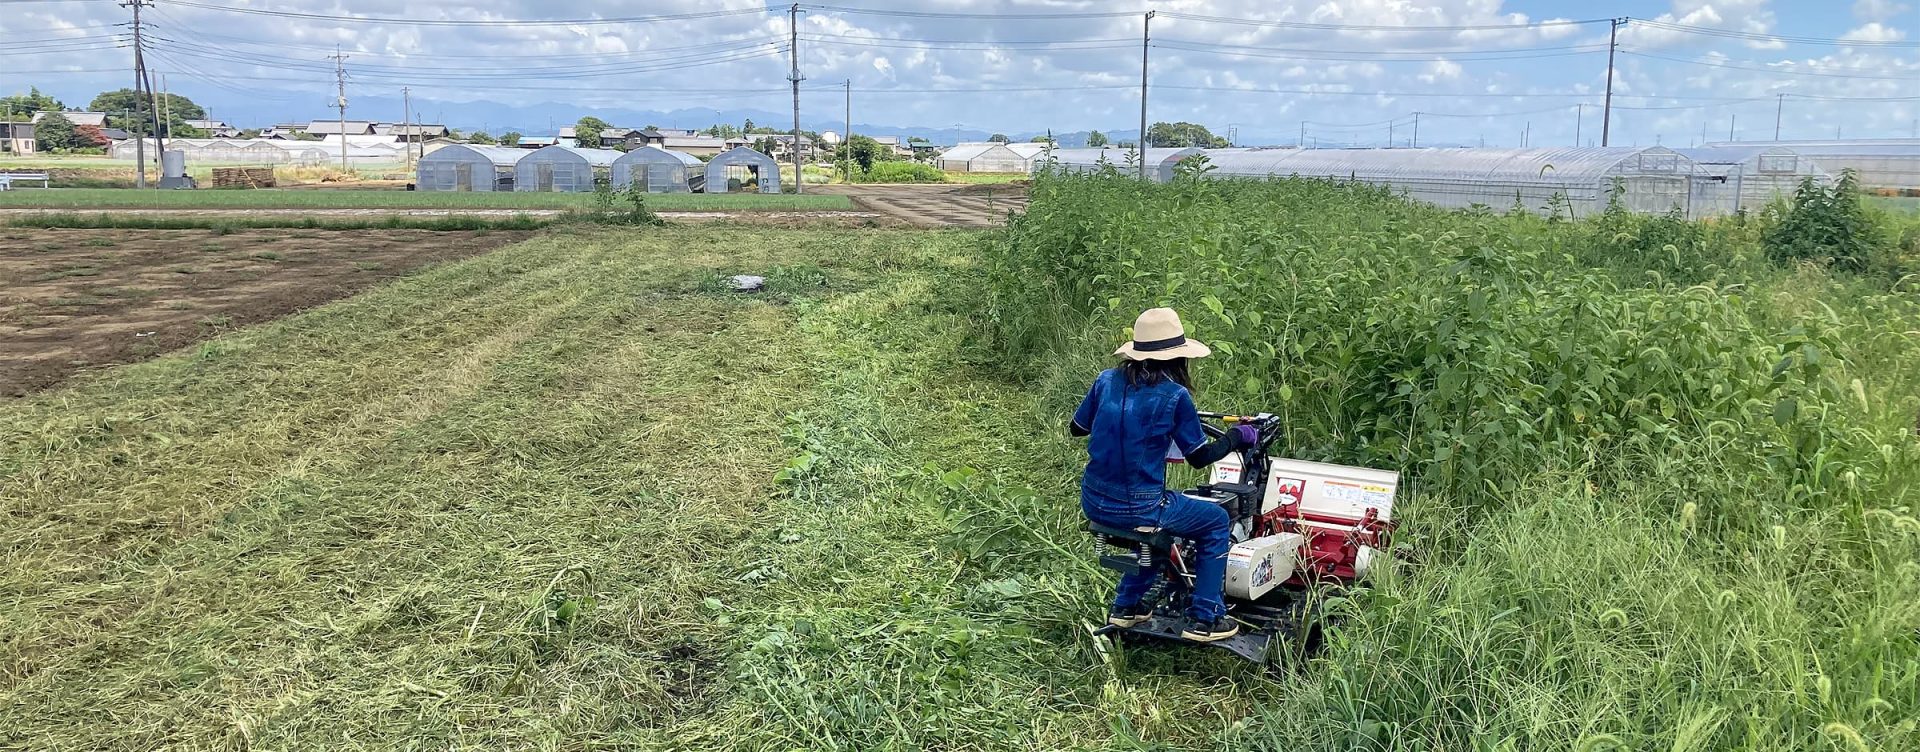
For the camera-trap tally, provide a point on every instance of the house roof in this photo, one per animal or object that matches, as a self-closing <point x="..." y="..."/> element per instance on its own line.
<point x="77" y="118"/>
<point x="694" y="142"/>
<point x="319" y="127"/>
<point x="207" y="125"/>
<point x="413" y="129"/>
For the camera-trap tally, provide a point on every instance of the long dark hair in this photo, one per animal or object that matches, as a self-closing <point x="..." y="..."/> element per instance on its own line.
<point x="1150" y="372"/>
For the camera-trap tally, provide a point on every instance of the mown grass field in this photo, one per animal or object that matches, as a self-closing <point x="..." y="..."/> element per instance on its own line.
<point x="84" y="199"/>
<point x="575" y="494"/>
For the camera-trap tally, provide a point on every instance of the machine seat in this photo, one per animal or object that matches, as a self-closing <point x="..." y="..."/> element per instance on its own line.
<point x="1153" y="537"/>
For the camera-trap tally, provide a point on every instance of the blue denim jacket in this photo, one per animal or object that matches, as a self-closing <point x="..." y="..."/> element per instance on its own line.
<point x="1132" y="429"/>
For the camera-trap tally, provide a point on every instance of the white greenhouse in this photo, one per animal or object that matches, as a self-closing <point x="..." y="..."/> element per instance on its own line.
<point x="465" y="168"/>
<point x="740" y="167"/>
<point x="1879" y="163"/>
<point x="1653" y="179"/>
<point x="989" y="156"/>
<point x="1727" y="179"/>
<point x="1160" y="162"/>
<point x="566" y="169"/>
<point x="657" y="170"/>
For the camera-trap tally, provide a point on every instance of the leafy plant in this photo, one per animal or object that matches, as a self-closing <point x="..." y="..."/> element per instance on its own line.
<point x="1827" y="225"/>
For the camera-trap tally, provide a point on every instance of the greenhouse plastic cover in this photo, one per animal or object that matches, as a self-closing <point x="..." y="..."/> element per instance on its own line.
<point x="1544" y="165"/>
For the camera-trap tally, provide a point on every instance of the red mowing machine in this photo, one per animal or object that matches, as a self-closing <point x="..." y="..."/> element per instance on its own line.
<point x="1298" y="528"/>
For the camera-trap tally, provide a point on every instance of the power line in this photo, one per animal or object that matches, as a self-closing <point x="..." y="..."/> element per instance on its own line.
<point x="1376" y="27"/>
<point x="1786" y="38"/>
<point x="1308" y="55"/>
<point x="1778" y="71"/>
<point x="475" y="22"/>
<point x="956" y="14"/>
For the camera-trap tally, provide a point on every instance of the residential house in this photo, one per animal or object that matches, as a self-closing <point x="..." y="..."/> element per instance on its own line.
<point x="783" y="146"/>
<point x="536" y="142"/>
<point x="96" y="119"/>
<point x="213" y="128"/>
<point x="336" y="127"/>
<point x="895" y="144"/>
<point x="699" y="146"/>
<point x="410" y="133"/>
<point x="17" y="138"/>
<point x="283" y="131"/>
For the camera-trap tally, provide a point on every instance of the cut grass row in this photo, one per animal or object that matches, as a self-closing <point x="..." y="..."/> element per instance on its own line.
<point x="114" y="198"/>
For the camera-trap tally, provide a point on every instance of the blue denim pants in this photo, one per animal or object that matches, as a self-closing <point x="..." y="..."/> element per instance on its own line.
<point x="1205" y="525"/>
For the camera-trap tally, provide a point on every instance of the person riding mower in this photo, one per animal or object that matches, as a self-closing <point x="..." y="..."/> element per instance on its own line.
<point x="1131" y="416"/>
<point x="1244" y="558"/>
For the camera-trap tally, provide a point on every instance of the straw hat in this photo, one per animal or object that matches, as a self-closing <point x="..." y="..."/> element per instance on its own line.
<point x="1158" y="335"/>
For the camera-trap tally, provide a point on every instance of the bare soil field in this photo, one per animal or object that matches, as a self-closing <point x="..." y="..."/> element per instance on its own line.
<point x="71" y="300"/>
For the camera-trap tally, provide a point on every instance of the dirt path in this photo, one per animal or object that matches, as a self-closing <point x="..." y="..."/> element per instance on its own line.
<point x="775" y="217"/>
<point x="71" y="300"/>
<point x="936" y="205"/>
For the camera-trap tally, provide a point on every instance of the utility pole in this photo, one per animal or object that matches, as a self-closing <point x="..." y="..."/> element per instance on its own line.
<point x="847" y="138"/>
<point x="1613" y="45"/>
<point x="340" y="76"/>
<point x="1579" y="119"/>
<point x="1302" y="143"/>
<point x="1731" y="119"/>
<point x="1526" y="135"/>
<point x="1779" y="104"/>
<point x="406" y="124"/>
<point x="1416" y="130"/>
<point x="1146" y="36"/>
<point x="1389" y="134"/>
<point x="793" y="49"/>
<point x="139" y="93"/>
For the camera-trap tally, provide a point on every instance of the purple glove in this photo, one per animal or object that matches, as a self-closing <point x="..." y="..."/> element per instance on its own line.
<point x="1244" y="436"/>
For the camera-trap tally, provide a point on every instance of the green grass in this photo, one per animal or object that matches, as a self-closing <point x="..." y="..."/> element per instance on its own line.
<point x="111" y="198"/>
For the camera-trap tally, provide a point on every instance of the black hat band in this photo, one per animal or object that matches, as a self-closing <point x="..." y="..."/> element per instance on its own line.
<point x="1160" y="344"/>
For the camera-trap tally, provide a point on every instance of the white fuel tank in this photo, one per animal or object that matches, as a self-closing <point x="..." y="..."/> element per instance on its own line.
<point x="1261" y="564"/>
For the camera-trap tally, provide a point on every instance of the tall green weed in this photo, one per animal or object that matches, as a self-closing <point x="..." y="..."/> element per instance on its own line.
<point x="1653" y="369"/>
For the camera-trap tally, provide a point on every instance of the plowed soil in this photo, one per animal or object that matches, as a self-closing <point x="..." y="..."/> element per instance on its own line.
<point x="74" y="300"/>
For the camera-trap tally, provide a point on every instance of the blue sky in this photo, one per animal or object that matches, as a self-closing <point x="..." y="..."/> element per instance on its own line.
<point x="1496" y="81"/>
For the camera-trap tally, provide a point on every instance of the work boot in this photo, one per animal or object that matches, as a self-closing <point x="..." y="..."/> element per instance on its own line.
<point x="1129" y="616"/>
<point x="1214" y="631"/>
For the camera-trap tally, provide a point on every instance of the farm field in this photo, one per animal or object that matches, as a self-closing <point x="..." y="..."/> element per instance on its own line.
<point x="87" y="199"/>
<point x="574" y="493"/>
<point x="76" y="300"/>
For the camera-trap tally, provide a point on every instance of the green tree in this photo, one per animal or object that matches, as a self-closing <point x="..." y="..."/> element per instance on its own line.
<point x="722" y="130"/>
<point x="1183" y="134"/>
<point x="126" y="111"/>
<point x="586" y="133"/>
<point x="864" y="151"/>
<point x="55" y="133"/>
<point x="510" y="138"/>
<point x="1096" y="139"/>
<point x="19" y="108"/>
<point x="999" y="138"/>
<point x="481" y="137"/>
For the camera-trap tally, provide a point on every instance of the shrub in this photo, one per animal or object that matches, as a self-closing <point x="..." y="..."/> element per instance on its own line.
<point x="1827" y="225"/>
<point x="901" y="172"/>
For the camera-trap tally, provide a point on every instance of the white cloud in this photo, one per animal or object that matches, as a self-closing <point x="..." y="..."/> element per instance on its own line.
<point x="1442" y="69"/>
<point x="1874" y="32"/>
<point x="1877" y="10"/>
